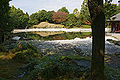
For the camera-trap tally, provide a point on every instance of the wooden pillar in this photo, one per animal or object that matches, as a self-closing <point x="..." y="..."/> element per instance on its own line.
<point x="111" y="26"/>
<point x="118" y="27"/>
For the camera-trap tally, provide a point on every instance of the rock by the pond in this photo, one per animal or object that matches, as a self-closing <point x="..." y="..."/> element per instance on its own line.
<point x="78" y="50"/>
<point x="117" y="43"/>
<point x="16" y="38"/>
<point x="117" y="54"/>
<point x="109" y="40"/>
<point x="114" y="41"/>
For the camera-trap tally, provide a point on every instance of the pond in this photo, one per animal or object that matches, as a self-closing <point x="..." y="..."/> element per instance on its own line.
<point x="52" y="35"/>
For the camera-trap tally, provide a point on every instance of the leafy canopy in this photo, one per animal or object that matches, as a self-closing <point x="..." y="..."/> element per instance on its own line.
<point x="17" y="18"/>
<point x="64" y="9"/>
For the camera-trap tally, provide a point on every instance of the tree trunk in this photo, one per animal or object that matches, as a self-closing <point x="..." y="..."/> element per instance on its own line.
<point x="98" y="42"/>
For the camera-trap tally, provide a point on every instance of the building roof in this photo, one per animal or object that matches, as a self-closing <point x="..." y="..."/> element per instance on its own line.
<point x="115" y="17"/>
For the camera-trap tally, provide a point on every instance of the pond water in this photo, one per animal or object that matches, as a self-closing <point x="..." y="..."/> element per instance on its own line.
<point x="52" y="35"/>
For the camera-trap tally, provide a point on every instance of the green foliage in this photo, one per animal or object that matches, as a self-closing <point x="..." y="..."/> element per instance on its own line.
<point x="84" y="13"/>
<point x="57" y="68"/>
<point x="76" y="13"/>
<point x="23" y="53"/>
<point x="71" y="21"/>
<point x="2" y="48"/>
<point x="111" y="73"/>
<point x="33" y="36"/>
<point x="26" y="53"/>
<point x="49" y="16"/>
<point x="4" y="8"/>
<point x="118" y="9"/>
<point x="17" y="18"/>
<point x="40" y="16"/>
<point x="32" y="22"/>
<point x="64" y="9"/>
<point x="110" y="9"/>
<point x="62" y="67"/>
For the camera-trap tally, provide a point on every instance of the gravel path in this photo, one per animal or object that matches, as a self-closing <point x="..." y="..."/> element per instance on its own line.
<point x="76" y="46"/>
<point x="81" y="47"/>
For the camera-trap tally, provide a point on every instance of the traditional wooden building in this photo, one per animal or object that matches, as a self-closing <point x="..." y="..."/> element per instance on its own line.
<point x="115" y="23"/>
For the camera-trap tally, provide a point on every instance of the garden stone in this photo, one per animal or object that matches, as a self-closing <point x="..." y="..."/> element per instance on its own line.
<point x="117" y="43"/>
<point x="16" y="38"/>
<point x="78" y="50"/>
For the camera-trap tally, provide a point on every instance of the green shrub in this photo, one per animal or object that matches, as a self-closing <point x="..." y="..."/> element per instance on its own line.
<point x="56" y="68"/>
<point x="111" y="73"/>
<point x="3" y="78"/>
<point x="26" y="53"/>
<point x="61" y="67"/>
<point x="2" y="48"/>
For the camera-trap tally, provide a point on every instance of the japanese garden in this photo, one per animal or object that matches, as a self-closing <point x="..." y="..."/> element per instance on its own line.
<point x="60" y="40"/>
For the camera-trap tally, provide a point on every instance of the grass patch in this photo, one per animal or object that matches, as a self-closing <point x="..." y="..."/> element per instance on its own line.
<point x="85" y="26"/>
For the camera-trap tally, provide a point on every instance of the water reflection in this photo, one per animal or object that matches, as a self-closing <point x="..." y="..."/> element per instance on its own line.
<point x="52" y="35"/>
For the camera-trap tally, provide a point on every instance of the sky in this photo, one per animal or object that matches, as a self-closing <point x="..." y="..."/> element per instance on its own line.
<point x="32" y="6"/>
